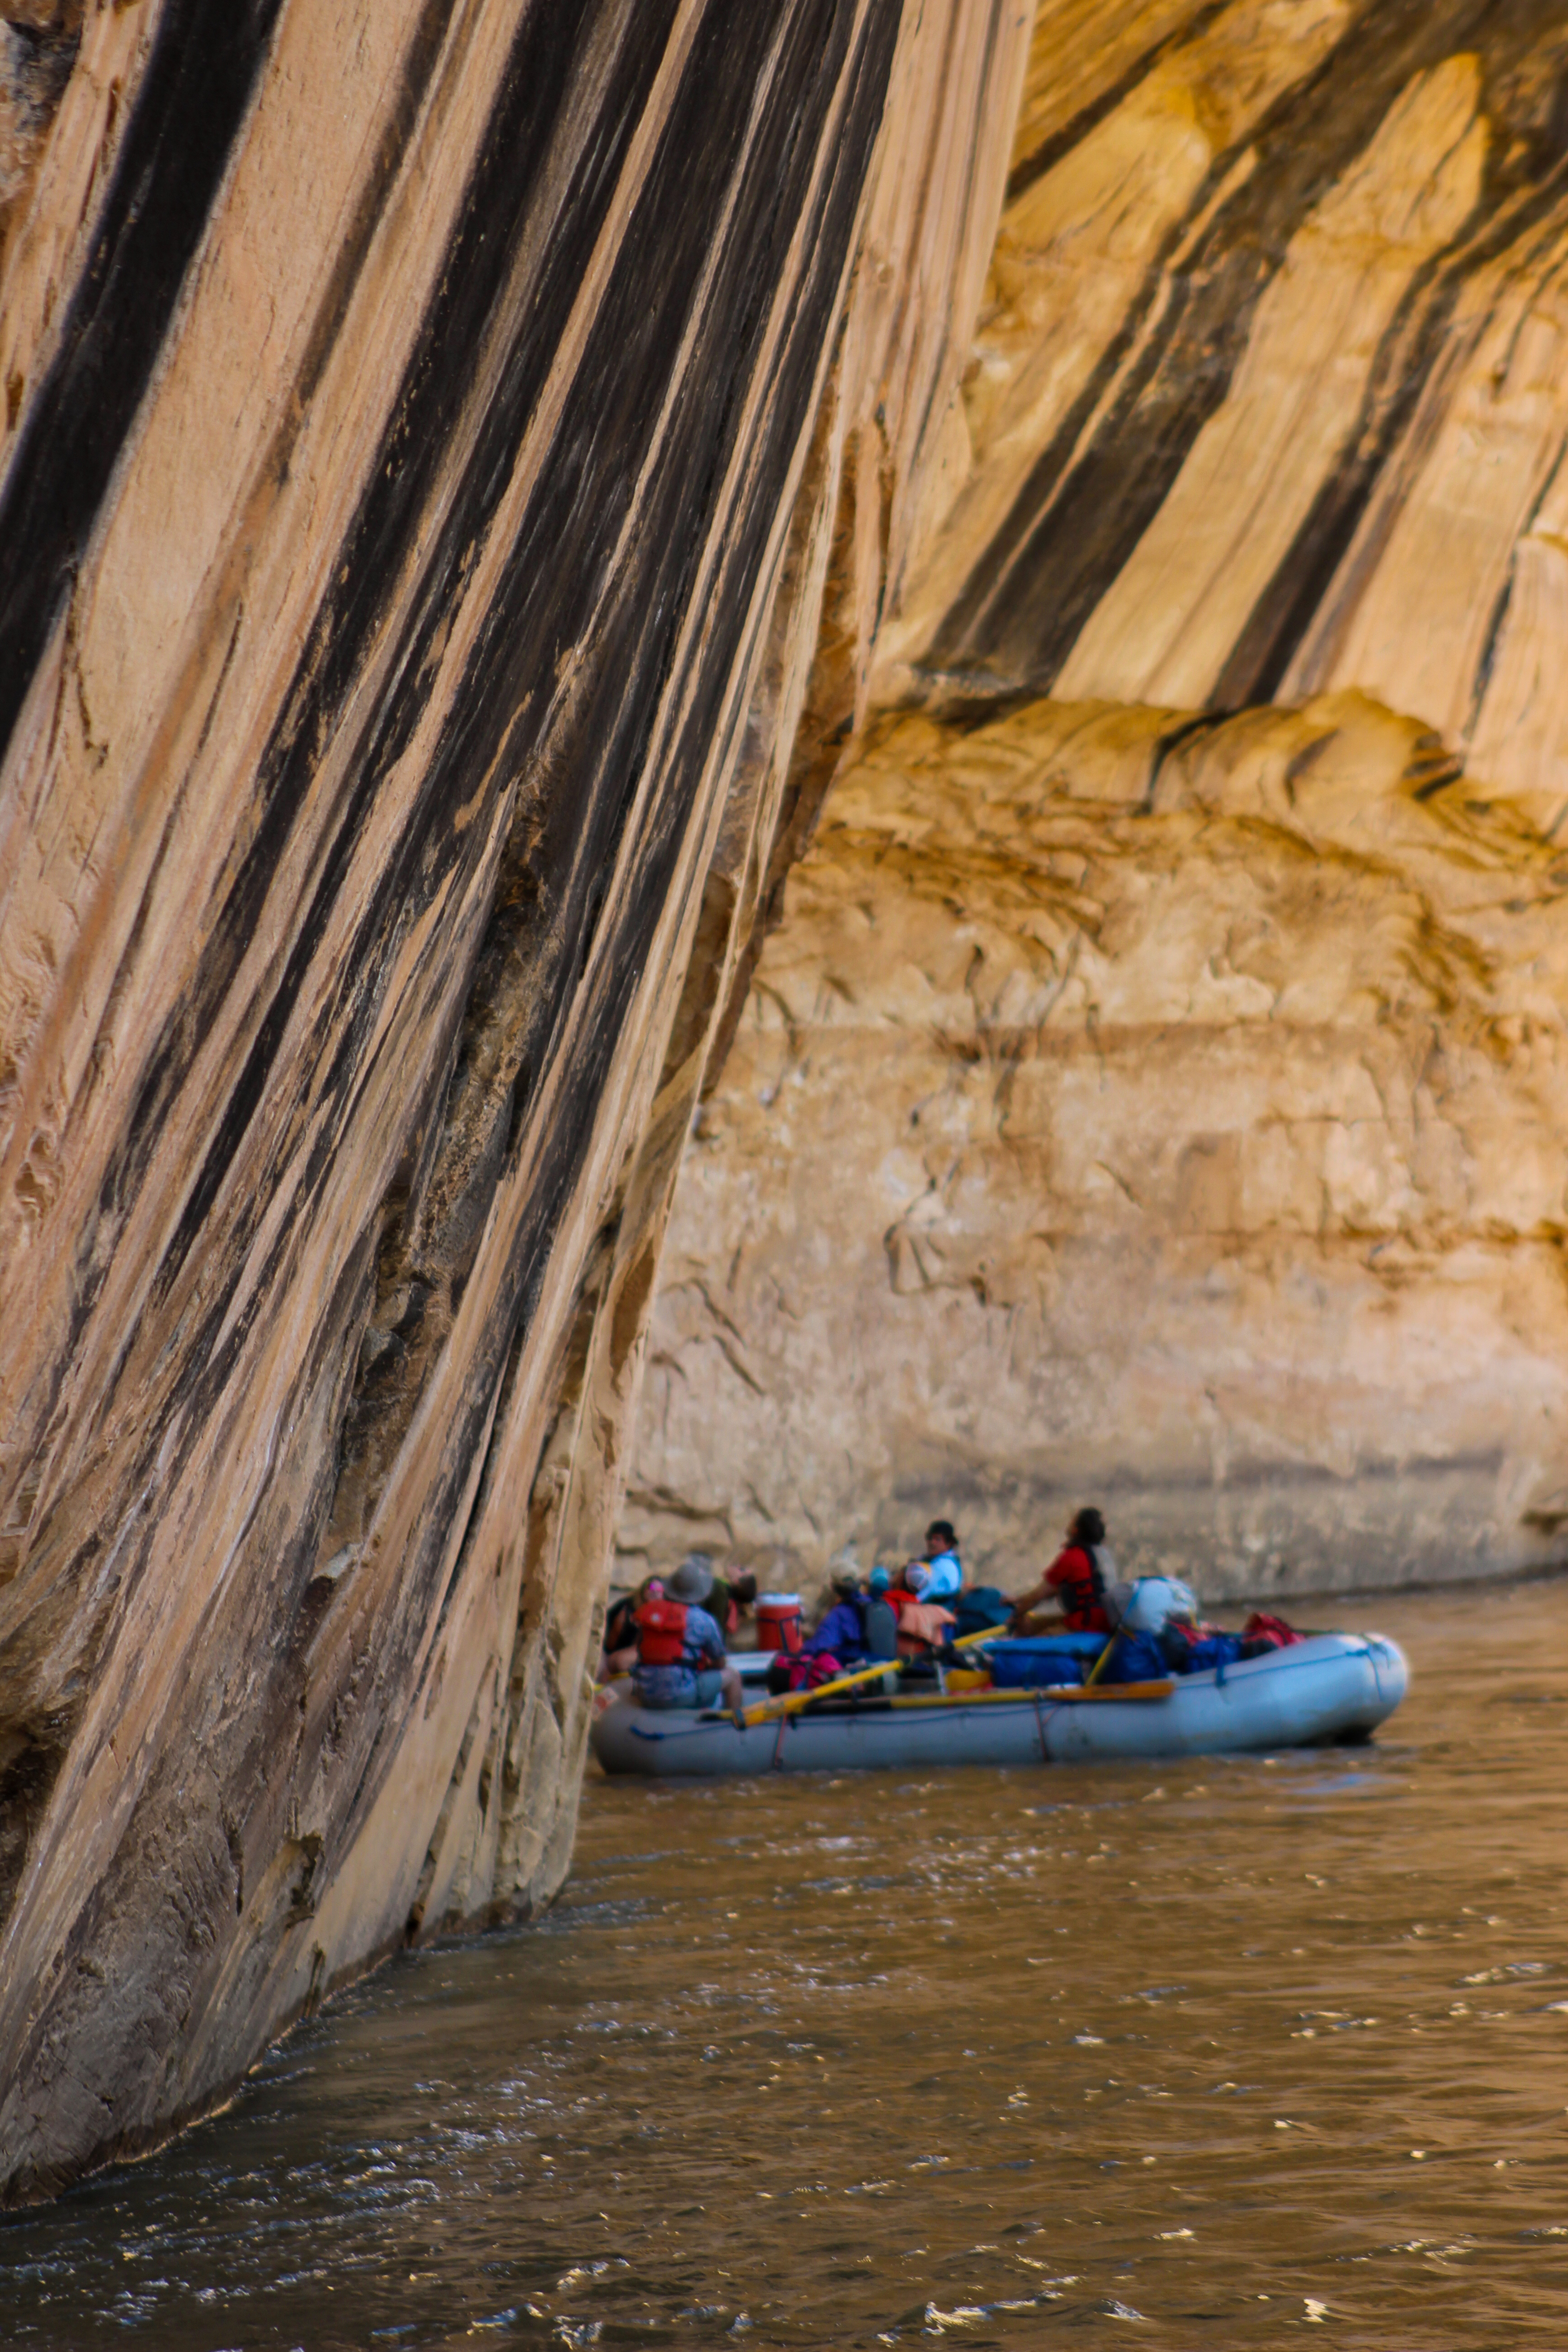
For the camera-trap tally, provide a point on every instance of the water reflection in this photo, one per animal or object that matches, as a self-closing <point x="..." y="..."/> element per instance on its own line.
<point x="1208" y="2053"/>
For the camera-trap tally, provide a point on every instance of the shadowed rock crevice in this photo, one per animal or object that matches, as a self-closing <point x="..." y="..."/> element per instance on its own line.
<point x="39" y="45"/>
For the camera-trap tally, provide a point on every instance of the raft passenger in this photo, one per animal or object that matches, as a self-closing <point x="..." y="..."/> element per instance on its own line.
<point x="732" y="1594"/>
<point x="723" y="1597"/>
<point x="1081" y="1583"/>
<point x="944" y="1569"/>
<point x="925" y="1625"/>
<point x="881" y="1617"/>
<point x="860" y="1627"/>
<point x="680" y="1651"/>
<point x="619" y="1651"/>
<point x="842" y="1632"/>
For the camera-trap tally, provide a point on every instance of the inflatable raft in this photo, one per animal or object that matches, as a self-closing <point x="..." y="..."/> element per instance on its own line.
<point x="1329" y="1688"/>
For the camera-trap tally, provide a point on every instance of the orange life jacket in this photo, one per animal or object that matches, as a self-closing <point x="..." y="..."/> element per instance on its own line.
<point x="923" y="1626"/>
<point x="661" y="1633"/>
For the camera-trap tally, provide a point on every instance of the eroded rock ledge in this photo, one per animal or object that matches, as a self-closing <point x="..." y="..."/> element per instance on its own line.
<point x="454" y="460"/>
<point x="1134" y="1106"/>
<point x="1157" y="1085"/>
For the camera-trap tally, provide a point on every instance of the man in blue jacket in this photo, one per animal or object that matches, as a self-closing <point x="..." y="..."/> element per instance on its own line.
<point x="860" y="1626"/>
<point x="946" y="1569"/>
<point x="842" y="1632"/>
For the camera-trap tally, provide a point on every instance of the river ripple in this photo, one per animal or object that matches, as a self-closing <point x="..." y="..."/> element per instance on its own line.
<point x="1175" y="2055"/>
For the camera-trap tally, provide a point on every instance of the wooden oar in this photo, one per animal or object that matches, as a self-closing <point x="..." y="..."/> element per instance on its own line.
<point x="1111" y="1691"/>
<point x="770" y="1710"/>
<point x="1059" y="1694"/>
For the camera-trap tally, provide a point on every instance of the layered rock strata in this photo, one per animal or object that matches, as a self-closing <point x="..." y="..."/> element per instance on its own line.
<point x="454" y="458"/>
<point x="1156" y="1086"/>
<point x="1132" y="1108"/>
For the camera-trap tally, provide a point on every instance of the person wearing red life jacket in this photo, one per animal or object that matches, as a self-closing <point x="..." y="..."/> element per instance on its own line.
<point x="1080" y="1591"/>
<point x="680" y="1649"/>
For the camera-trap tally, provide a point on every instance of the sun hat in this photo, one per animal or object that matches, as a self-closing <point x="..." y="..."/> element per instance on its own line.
<point x="693" y="1580"/>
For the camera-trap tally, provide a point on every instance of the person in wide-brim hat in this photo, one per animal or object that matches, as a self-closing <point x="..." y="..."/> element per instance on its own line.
<point x="692" y="1581"/>
<point x="681" y="1659"/>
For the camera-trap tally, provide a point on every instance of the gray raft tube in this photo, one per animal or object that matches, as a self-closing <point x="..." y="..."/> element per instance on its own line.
<point x="1326" y="1689"/>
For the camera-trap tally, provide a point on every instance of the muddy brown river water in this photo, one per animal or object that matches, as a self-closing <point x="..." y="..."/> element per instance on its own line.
<point x="1218" y="2052"/>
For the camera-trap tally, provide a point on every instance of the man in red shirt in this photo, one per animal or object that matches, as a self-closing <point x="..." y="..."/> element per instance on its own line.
<point x="1079" y="1583"/>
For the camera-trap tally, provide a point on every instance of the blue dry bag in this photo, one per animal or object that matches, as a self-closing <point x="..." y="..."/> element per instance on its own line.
<point x="1030" y="1665"/>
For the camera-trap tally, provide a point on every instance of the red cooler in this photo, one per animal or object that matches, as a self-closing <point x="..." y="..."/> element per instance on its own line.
<point x="779" y="1625"/>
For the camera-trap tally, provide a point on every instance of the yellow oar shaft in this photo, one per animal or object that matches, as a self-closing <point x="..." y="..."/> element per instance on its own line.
<point x="1103" y="1660"/>
<point x="1059" y="1694"/>
<point x="774" y="1707"/>
<point x="1056" y="1692"/>
<point x="770" y="1709"/>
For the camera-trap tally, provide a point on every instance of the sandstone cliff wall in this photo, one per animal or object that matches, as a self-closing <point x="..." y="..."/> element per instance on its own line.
<point x="452" y="457"/>
<point x="1155" y="1089"/>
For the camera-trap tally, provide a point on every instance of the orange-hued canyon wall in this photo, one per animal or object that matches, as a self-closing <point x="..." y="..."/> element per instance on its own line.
<point x="1155" y="1088"/>
<point x="452" y="457"/>
<point x="881" y="681"/>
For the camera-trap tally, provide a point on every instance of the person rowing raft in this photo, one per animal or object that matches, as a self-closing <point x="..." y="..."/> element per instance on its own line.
<point x="1082" y="1585"/>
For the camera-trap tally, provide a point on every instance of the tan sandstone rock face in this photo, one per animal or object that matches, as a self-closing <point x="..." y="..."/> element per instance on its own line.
<point x="1155" y="1089"/>
<point x="451" y="461"/>
<point x="1179" y="1126"/>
